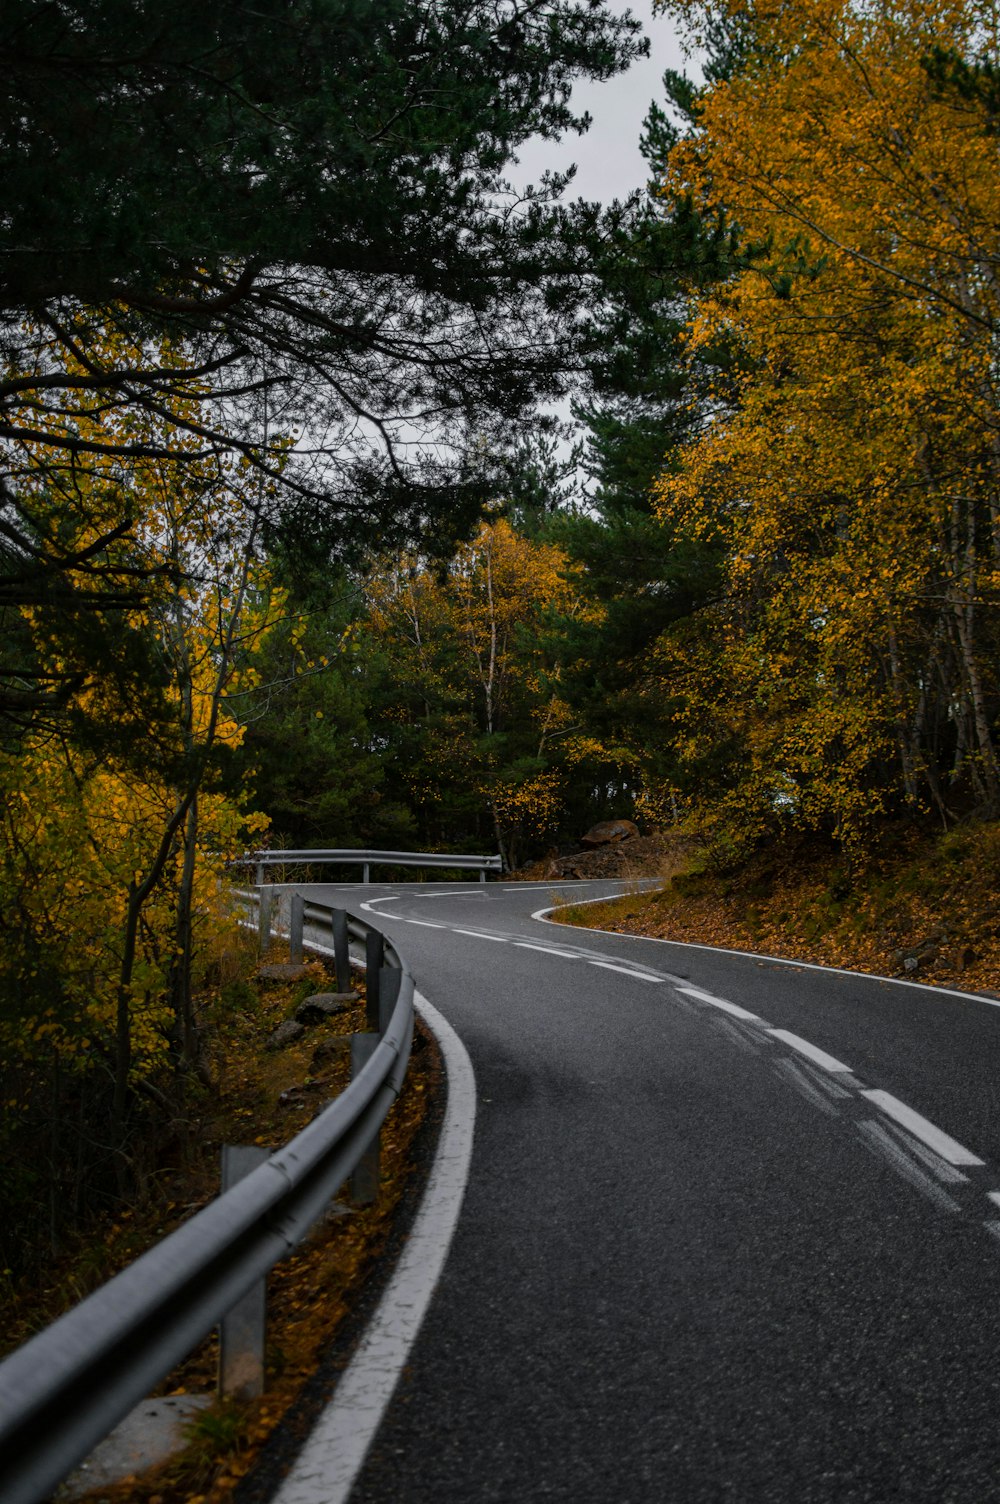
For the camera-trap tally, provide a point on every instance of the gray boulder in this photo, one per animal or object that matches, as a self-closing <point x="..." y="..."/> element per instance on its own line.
<point x="609" y="833"/>
<point x="285" y="1034"/>
<point x="281" y="971"/>
<point x="313" y="1010"/>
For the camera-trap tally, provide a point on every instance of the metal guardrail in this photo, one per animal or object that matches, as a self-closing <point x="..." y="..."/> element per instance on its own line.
<point x="67" y="1387"/>
<point x="368" y="859"/>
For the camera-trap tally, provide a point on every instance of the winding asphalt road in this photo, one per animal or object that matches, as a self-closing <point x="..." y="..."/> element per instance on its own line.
<point x="731" y="1233"/>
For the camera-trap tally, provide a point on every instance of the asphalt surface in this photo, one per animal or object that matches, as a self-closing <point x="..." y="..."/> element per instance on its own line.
<point x="695" y="1261"/>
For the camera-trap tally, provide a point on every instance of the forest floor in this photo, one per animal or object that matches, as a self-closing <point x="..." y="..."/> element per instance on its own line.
<point x="264" y="1096"/>
<point x="925" y="906"/>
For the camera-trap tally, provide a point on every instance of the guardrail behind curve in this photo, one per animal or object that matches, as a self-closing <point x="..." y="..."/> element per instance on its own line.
<point x="67" y="1387"/>
<point x="347" y="857"/>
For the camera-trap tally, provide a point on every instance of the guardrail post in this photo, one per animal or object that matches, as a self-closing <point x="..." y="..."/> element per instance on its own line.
<point x="296" y="917"/>
<point x="364" y="872"/>
<point x="242" y="1329"/>
<point x="341" y="949"/>
<point x="389" y="981"/>
<point x="130" y="1334"/>
<point x="363" y="1184"/>
<point x="374" y="955"/>
<point x="482" y="874"/>
<point x="260" y="874"/>
<point x="264" y="920"/>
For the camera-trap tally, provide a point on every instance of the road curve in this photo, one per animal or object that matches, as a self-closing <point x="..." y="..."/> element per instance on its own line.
<point x="731" y="1232"/>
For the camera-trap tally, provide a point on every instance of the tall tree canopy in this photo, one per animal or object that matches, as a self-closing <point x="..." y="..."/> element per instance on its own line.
<point x="309" y="196"/>
<point x="852" y="468"/>
<point x="285" y="227"/>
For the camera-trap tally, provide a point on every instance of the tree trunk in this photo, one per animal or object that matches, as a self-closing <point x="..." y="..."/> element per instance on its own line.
<point x="498" y="832"/>
<point x="180" y="978"/>
<point x="123" y="1019"/>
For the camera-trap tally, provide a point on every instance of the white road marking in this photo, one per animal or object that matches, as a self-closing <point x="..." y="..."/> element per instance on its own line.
<point x="934" y="1138"/>
<point x="811" y="1051"/>
<point x="369" y="907"/>
<point x="994" y="1196"/>
<point x="938" y="1166"/>
<point x="541" y="915"/>
<point x="478" y="935"/>
<point x="471" y="890"/>
<point x="549" y="950"/>
<point x="426" y="924"/>
<point x="832" y="1088"/>
<point x="876" y="1138"/>
<point x="797" y="1078"/>
<point x="717" y="1002"/>
<point x="626" y="971"/>
<point x="325" y="1470"/>
<point x="723" y="1026"/>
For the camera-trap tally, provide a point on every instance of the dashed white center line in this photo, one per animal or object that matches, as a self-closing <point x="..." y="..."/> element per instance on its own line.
<point x="811" y="1051"/>
<point x="948" y="1148"/>
<point x="945" y="1172"/>
<point x="943" y="1146"/>
<point x="878" y="1140"/>
<point x="832" y="1088"/>
<point x="626" y="971"/>
<point x="717" y="1002"/>
<point x="797" y="1077"/>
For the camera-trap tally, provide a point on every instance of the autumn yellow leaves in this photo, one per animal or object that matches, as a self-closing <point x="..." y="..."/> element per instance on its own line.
<point x="479" y="679"/>
<point x="145" y="601"/>
<point x="849" y="458"/>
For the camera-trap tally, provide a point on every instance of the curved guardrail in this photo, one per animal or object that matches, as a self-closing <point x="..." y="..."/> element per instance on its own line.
<point x="67" y="1387"/>
<point x="368" y="859"/>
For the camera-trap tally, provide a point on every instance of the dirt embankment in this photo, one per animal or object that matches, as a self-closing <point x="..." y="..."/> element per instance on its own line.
<point x="655" y="855"/>
<point x="924" y="907"/>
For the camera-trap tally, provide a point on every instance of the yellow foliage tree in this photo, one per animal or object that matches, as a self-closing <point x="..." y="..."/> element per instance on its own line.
<point x="852" y="468"/>
<point x="476" y="681"/>
<point x="114" y="822"/>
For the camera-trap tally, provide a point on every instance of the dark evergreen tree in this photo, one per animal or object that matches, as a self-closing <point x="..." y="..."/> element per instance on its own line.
<point x="644" y="402"/>
<point x="308" y="196"/>
<point x="305" y="201"/>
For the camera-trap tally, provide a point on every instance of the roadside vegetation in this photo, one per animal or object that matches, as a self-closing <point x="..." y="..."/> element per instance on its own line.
<point x="925" y="906"/>
<point x="290" y="553"/>
<point x="259" y="1093"/>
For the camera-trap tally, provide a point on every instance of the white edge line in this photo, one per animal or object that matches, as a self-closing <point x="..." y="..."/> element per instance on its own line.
<point x="476" y="934"/>
<point x="369" y="906"/>
<point x="811" y="1051"/>
<point x="541" y="915"/>
<point x="935" y="1138"/>
<point x="425" y="924"/>
<point x="327" y="1466"/>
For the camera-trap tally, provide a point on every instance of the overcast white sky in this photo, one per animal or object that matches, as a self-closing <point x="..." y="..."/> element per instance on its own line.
<point x="608" y="159"/>
<point x="609" y="162"/>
